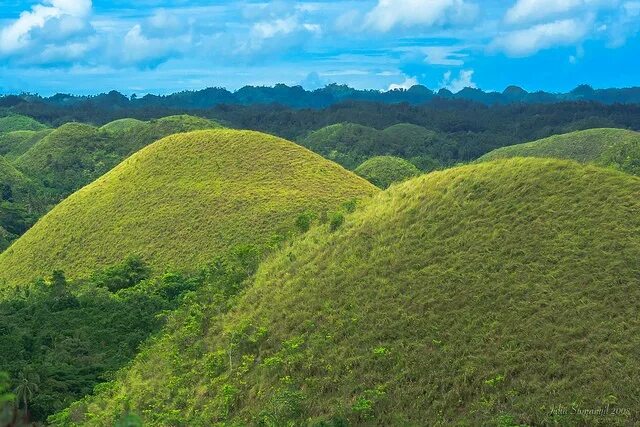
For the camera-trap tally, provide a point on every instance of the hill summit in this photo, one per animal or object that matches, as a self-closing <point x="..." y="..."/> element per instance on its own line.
<point x="182" y="200"/>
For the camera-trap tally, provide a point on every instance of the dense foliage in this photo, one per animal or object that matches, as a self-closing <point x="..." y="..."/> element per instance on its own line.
<point x="182" y="200"/>
<point x="617" y="148"/>
<point x="474" y="129"/>
<point x="68" y="337"/>
<point x="385" y="170"/>
<point x="297" y="97"/>
<point x="20" y="203"/>
<point x="481" y="295"/>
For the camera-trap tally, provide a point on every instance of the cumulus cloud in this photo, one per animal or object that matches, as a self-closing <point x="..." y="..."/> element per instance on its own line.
<point x="407" y="84"/>
<point x="626" y="25"/>
<point x="464" y="80"/>
<point x="281" y="32"/>
<point x="68" y="14"/>
<point x="140" y="49"/>
<point x="531" y="40"/>
<point x="389" y="14"/>
<point x="535" y="10"/>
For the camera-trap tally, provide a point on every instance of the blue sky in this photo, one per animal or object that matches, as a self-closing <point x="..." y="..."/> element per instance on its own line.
<point x="159" y="46"/>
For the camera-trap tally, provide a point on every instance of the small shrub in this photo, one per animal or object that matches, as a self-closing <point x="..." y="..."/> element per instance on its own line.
<point x="336" y="219"/>
<point x="304" y="221"/>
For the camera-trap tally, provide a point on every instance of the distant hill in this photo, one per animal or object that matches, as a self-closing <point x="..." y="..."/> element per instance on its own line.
<point x="297" y="97"/>
<point x="618" y="148"/>
<point x="75" y="154"/>
<point x="480" y="295"/>
<point x="386" y="170"/>
<point x="16" y="143"/>
<point x="181" y="201"/>
<point x="121" y="125"/>
<point x="18" y="122"/>
<point x="351" y="144"/>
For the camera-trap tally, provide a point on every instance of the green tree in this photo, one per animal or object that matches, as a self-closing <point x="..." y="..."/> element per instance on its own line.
<point x="26" y="388"/>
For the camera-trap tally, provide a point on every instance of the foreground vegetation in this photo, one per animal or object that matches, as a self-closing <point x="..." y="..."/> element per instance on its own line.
<point x="482" y="295"/>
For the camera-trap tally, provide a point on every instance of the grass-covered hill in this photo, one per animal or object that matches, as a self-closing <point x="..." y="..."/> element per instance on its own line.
<point x="182" y="200"/>
<point x="16" y="122"/>
<point x="383" y="171"/>
<point x="488" y="294"/>
<point x="76" y="154"/>
<point x="618" y="148"/>
<point x="69" y="157"/>
<point x="16" y="143"/>
<point x="121" y="125"/>
<point x="351" y="144"/>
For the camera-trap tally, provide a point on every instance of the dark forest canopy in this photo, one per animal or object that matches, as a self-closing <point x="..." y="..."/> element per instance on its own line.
<point x="298" y="97"/>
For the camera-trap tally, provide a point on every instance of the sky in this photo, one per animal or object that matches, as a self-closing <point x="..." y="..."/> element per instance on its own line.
<point x="161" y="46"/>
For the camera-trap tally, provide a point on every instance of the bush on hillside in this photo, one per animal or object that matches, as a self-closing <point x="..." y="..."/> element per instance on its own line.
<point x="386" y="170"/>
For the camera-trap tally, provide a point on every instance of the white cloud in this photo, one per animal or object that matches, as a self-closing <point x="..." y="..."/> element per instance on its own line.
<point x="140" y="49"/>
<point x="407" y="13"/>
<point x="444" y="55"/>
<point x="529" y="41"/>
<point x="535" y="10"/>
<point x="464" y="80"/>
<point x="408" y="83"/>
<point x="626" y="25"/>
<point x="17" y="35"/>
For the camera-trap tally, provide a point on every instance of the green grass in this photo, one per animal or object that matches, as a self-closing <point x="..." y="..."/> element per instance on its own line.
<point x="76" y="154"/>
<point x="16" y="143"/>
<point x="617" y="148"/>
<point x="486" y="294"/>
<point x="181" y="201"/>
<point x="383" y="171"/>
<point x="16" y="122"/>
<point x="121" y="125"/>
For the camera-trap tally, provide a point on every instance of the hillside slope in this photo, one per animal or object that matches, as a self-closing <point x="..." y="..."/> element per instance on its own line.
<point x="16" y="143"/>
<point x="16" y="122"/>
<point x="181" y="201"/>
<point x="482" y="295"/>
<point x="75" y="154"/>
<point x="618" y="148"/>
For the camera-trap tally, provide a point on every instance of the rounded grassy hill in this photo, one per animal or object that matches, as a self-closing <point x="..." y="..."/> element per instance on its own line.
<point x="382" y="171"/>
<point x="618" y="148"/>
<point x="181" y="201"/>
<point x="488" y="294"/>
<point x="68" y="158"/>
<point x="343" y="143"/>
<point x="16" y="143"/>
<point x="121" y="125"/>
<point x="17" y="122"/>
